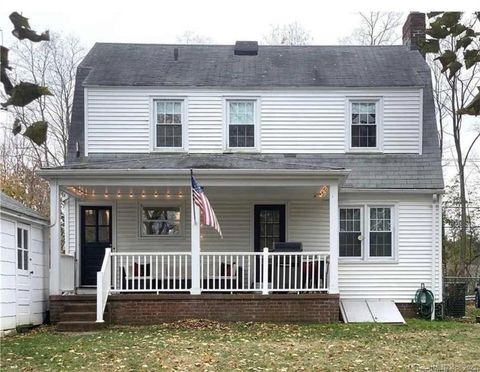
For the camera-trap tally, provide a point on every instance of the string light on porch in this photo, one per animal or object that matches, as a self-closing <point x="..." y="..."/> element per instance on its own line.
<point x="119" y="195"/>
<point x="155" y="195"/>
<point x="143" y="194"/>
<point x="322" y="193"/>
<point x="131" y="194"/>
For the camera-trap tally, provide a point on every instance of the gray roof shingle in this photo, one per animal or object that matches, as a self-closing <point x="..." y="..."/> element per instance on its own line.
<point x="275" y="66"/>
<point x="304" y="66"/>
<point x="8" y="203"/>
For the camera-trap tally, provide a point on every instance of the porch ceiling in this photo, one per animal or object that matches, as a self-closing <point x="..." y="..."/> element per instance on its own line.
<point x="122" y="192"/>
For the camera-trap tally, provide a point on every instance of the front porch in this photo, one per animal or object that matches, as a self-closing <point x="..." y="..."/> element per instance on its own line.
<point x="152" y="244"/>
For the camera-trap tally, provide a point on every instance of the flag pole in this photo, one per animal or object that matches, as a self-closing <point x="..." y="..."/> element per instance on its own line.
<point x="191" y="195"/>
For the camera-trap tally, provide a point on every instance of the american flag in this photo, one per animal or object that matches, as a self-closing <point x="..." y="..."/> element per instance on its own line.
<point x="207" y="214"/>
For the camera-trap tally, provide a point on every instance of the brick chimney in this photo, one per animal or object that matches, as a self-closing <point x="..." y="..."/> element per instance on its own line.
<point x="414" y="30"/>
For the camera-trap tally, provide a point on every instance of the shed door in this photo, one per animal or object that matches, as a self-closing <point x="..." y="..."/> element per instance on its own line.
<point x="24" y="272"/>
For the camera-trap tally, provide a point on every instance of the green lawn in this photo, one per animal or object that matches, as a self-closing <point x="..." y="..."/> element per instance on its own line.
<point x="205" y="345"/>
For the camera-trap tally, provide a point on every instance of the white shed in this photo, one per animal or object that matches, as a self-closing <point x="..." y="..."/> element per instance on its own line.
<point x="23" y="265"/>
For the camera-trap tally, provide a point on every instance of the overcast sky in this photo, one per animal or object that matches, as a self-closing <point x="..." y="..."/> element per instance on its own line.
<point x="161" y="21"/>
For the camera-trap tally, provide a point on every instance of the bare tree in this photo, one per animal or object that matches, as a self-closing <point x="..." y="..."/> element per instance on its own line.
<point x="376" y="28"/>
<point x="18" y="163"/>
<point x="191" y="37"/>
<point x="287" y="34"/>
<point x="51" y="64"/>
<point x="455" y="79"/>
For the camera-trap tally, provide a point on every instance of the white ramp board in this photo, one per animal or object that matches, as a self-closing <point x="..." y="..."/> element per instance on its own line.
<point x="367" y="311"/>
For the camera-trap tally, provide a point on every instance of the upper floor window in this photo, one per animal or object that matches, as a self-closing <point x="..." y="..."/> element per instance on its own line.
<point x="364" y="124"/>
<point x="241" y="119"/>
<point x="168" y="124"/>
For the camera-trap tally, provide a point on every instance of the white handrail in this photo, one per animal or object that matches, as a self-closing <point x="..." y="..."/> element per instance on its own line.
<point x="265" y="272"/>
<point x="104" y="284"/>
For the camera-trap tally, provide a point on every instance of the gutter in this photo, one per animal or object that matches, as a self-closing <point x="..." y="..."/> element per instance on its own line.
<point x="24" y="217"/>
<point x="159" y="173"/>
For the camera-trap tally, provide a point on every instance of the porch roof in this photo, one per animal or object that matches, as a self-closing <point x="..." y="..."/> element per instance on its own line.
<point x="362" y="171"/>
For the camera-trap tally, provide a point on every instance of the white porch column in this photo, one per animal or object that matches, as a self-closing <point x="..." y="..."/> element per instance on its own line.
<point x="195" y="247"/>
<point x="55" y="236"/>
<point x="334" y="231"/>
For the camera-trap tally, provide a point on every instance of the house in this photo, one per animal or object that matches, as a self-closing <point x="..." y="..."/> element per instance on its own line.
<point x="24" y="265"/>
<point x="331" y="149"/>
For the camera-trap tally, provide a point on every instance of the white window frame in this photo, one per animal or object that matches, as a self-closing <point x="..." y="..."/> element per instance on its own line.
<point x="365" y="210"/>
<point x="23" y="228"/>
<point x="362" y="232"/>
<point x="161" y="204"/>
<point x="256" y="124"/>
<point x="378" y="123"/>
<point x="393" y="222"/>
<point x="153" y="124"/>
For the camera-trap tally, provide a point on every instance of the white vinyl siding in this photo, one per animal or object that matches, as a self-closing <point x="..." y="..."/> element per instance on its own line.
<point x="399" y="279"/>
<point x="37" y="263"/>
<point x="70" y="227"/>
<point x="418" y="237"/>
<point x="118" y="120"/>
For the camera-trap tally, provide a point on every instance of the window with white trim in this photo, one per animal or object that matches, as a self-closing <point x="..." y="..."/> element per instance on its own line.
<point x="161" y="220"/>
<point x="377" y="242"/>
<point x="363" y="124"/>
<point x="22" y="248"/>
<point x="168" y="123"/>
<point x="350" y="232"/>
<point x="241" y="119"/>
<point x="380" y="234"/>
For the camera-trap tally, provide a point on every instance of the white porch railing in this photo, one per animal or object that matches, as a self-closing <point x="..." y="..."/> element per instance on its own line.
<point x="246" y="272"/>
<point x="151" y="272"/>
<point x="264" y="272"/>
<point x="104" y="283"/>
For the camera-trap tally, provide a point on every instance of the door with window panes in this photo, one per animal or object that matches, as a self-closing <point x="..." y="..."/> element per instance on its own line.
<point x="24" y="275"/>
<point x="96" y="235"/>
<point x="269" y="228"/>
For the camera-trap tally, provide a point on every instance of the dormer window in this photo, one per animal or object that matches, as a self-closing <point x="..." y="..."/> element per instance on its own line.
<point x="168" y="120"/>
<point x="364" y="123"/>
<point x="241" y="121"/>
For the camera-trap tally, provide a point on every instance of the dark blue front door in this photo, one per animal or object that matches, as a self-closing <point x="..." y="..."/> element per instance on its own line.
<point x="96" y="235"/>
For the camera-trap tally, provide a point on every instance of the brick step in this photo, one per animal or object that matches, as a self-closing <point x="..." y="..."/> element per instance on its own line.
<point x="78" y="316"/>
<point x="79" y="326"/>
<point x="79" y="307"/>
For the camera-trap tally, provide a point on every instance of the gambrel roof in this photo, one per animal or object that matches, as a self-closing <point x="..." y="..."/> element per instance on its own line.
<point x="274" y="66"/>
<point x="303" y="67"/>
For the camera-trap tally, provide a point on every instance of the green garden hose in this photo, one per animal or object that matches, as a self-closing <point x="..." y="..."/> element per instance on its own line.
<point x="425" y="301"/>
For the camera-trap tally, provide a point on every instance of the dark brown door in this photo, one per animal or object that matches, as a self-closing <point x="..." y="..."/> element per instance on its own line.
<point x="269" y="225"/>
<point x="96" y="235"/>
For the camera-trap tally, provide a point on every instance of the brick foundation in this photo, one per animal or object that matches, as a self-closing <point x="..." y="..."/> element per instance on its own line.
<point x="152" y="308"/>
<point x="408" y="310"/>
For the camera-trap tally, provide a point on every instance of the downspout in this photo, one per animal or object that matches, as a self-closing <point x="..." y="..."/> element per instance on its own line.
<point x="435" y="200"/>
